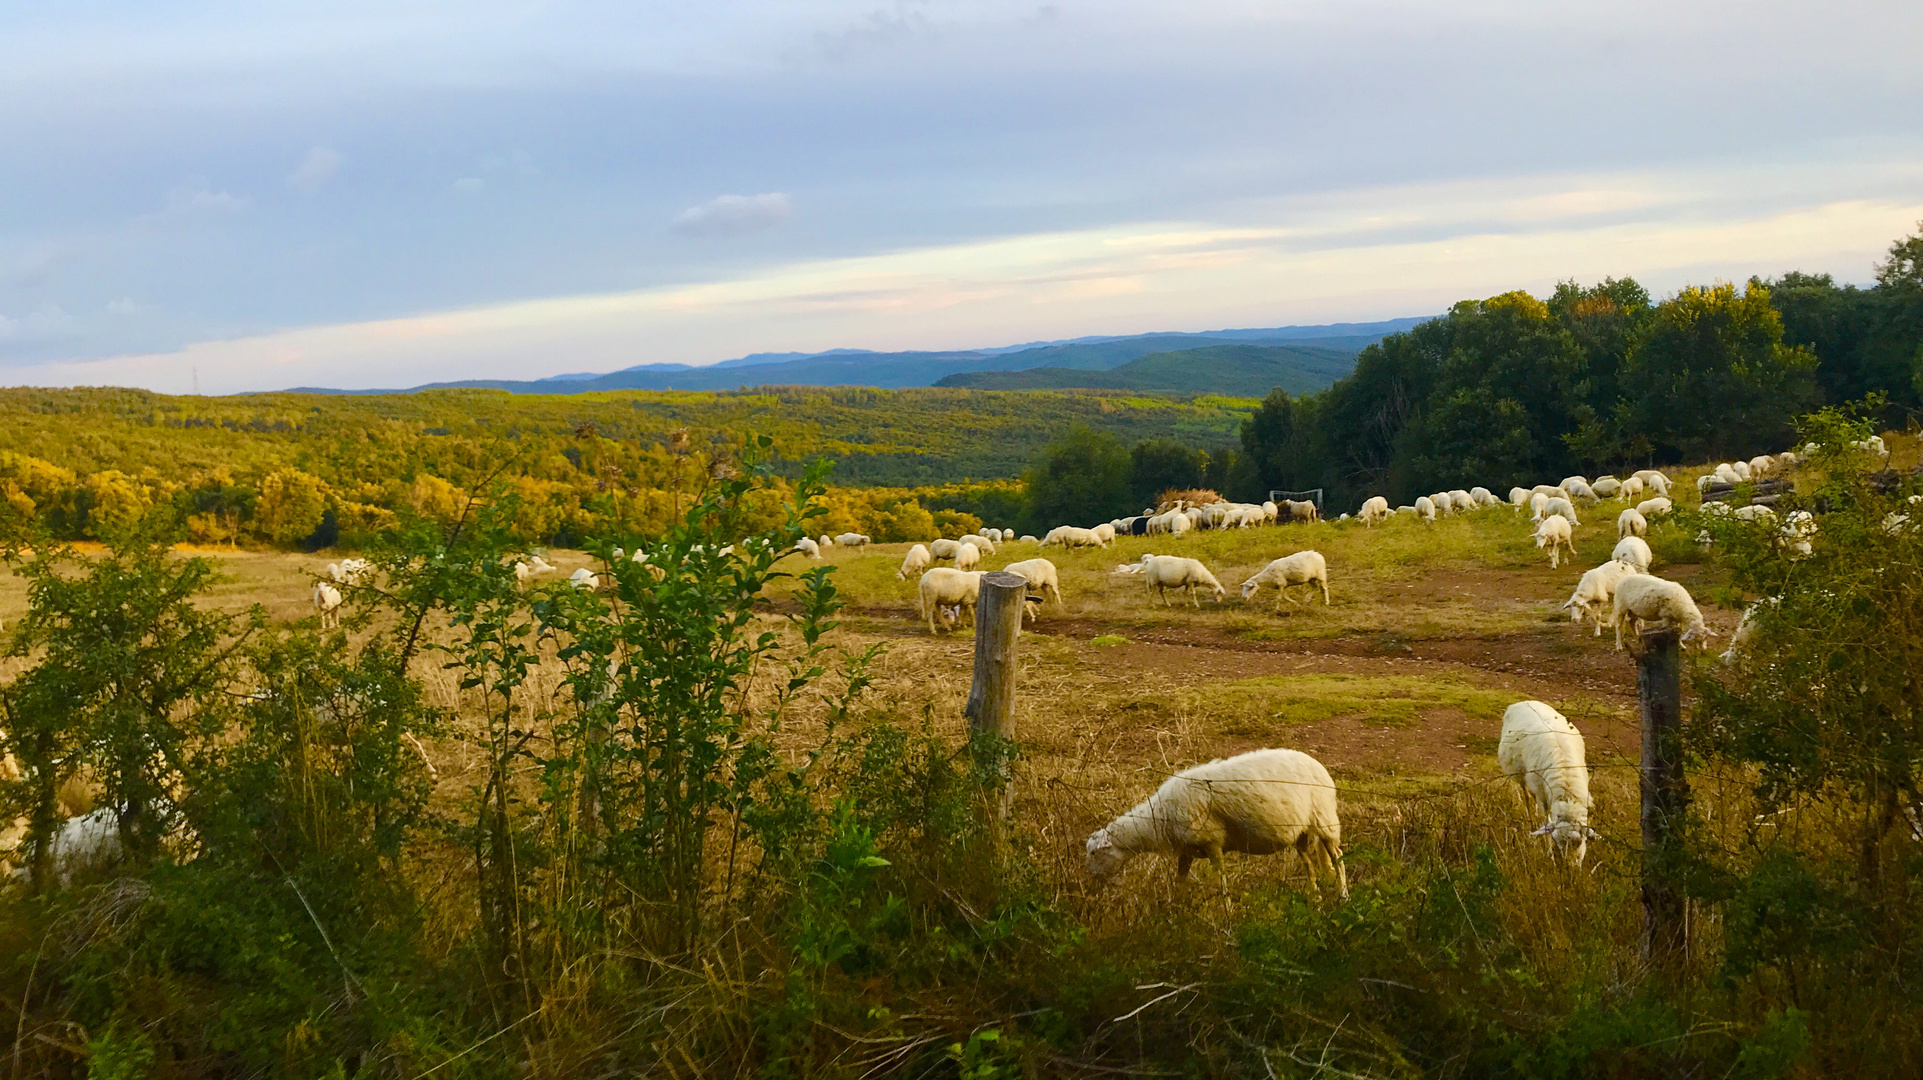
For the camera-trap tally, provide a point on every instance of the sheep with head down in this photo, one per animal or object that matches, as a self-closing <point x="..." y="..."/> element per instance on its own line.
<point x="1631" y="522"/>
<point x="1164" y="572"/>
<point x="1302" y="568"/>
<point x="1543" y="753"/>
<point x="1642" y="600"/>
<point x="1374" y="509"/>
<point x="1555" y="534"/>
<point x="1595" y="592"/>
<point x="967" y="556"/>
<point x="917" y="560"/>
<point x="1633" y="551"/>
<point x="941" y="587"/>
<point x="1259" y="803"/>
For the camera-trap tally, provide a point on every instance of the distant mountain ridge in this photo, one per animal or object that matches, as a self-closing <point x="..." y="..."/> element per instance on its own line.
<point x="1238" y="370"/>
<point x="891" y="370"/>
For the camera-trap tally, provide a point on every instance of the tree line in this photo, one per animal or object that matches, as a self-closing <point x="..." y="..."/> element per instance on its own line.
<point x="1513" y="389"/>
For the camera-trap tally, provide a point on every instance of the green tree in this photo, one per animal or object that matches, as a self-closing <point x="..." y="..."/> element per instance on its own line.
<point x="1158" y="465"/>
<point x="1713" y="377"/>
<point x="291" y="505"/>
<point x="1080" y="479"/>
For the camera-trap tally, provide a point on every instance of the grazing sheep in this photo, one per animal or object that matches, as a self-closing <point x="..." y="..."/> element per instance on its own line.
<point x="986" y="545"/>
<point x="1165" y="572"/>
<point x="1538" y="506"/>
<point x="804" y="545"/>
<point x="944" y="587"/>
<point x="1580" y="491"/>
<point x="1298" y="510"/>
<point x="1595" y="592"/>
<point x="853" y="540"/>
<point x="1761" y="466"/>
<point x="1607" y="487"/>
<point x="1105" y="532"/>
<point x="1569" y="481"/>
<point x="1653" y="480"/>
<point x="540" y="565"/>
<point x="585" y="579"/>
<point x="1462" y="501"/>
<point x="327" y="604"/>
<point x="1443" y="503"/>
<point x="1071" y="537"/>
<point x="968" y="556"/>
<point x="1543" y="752"/>
<point x="1756" y="512"/>
<point x="1301" y="568"/>
<point x="1519" y="497"/>
<point x="1425" y="508"/>
<point x="522" y="572"/>
<point x="1029" y="538"/>
<point x="1642" y="599"/>
<point x="1631" y="523"/>
<point x="944" y="548"/>
<point x="82" y="843"/>
<point x="1406" y="511"/>
<point x="914" y="562"/>
<point x="1655" y="507"/>
<point x="1634" y="551"/>
<point x="825" y="541"/>
<point x="1043" y="579"/>
<point x="1375" y="509"/>
<point x="1555" y="534"/>
<point x="1560" y="505"/>
<point x="1258" y="803"/>
<point x="1550" y="490"/>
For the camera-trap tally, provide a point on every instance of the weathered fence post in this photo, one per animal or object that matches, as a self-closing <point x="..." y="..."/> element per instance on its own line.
<point x="1665" y="795"/>
<point x="998" y="619"/>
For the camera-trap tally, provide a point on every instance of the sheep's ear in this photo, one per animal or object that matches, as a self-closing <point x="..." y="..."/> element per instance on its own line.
<point x="1543" y="829"/>
<point x="1591" y="834"/>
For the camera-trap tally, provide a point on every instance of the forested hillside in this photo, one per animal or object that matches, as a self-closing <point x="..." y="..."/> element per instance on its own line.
<point x="1596" y="378"/>
<point x="294" y="468"/>
<point x="1239" y="370"/>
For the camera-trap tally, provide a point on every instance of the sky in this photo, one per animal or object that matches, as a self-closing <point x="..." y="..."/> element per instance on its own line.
<point x="380" y="193"/>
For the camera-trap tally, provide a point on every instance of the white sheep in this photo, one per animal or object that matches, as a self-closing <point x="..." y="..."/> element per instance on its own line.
<point x="1043" y="579"/>
<point x="327" y="604"/>
<point x="944" y="587"/>
<point x="1761" y="466"/>
<point x="1071" y="537"/>
<point x="1259" y="803"/>
<point x="350" y="571"/>
<point x="1607" y="487"/>
<point x="1462" y="501"/>
<point x="1029" y="538"/>
<point x="1106" y="532"/>
<point x="1799" y="528"/>
<point x="944" y="548"/>
<point x="1374" y="509"/>
<point x="585" y="579"/>
<point x="1484" y="497"/>
<point x="1538" y="506"/>
<point x="1405" y="511"/>
<point x="1165" y="572"/>
<point x="1519" y="497"/>
<point x="1642" y="599"/>
<point x="1556" y="504"/>
<point x="804" y="545"/>
<point x="82" y="843"/>
<point x="853" y="540"/>
<point x="825" y="541"/>
<point x="1634" y="551"/>
<point x="1580" y="490"/>
<point x="1655" y="507"/>
<point x="1595" y="592"/>
<point x="1425" y="508"/>
<point x="1631" y="522"/>
<point x="1301" y="568"/>
<point x="1630" y="490"/>
<point x="1555" y="534"/>
<point x="1443" y="503"/>
<point x="914" y="562"/>
<point x="986" y="545"/>
<point x="1569" y="481"/>
<point x="1543" y="753"/>
<point x="968" y="556"/>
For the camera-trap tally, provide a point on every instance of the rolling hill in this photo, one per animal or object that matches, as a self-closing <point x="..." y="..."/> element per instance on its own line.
<point x="1234" y="370"/>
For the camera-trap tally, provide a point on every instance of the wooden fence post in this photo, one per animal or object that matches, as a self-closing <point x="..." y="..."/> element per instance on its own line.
<point x="1665" y="795"/>
<point x="998" y="620"/>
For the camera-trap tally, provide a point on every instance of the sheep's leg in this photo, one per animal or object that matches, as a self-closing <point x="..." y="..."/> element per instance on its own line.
<point x="1326" y="602"/>
<point x="1333" y="852"/>
<point x="1221" y="878"/>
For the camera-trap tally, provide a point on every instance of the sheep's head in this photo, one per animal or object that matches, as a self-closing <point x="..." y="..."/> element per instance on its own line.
<point x="1104" y="858"/>
<point x="1569" y="837"/>
<point x="1697" y="630"/>
<point x="1249" y="587"/>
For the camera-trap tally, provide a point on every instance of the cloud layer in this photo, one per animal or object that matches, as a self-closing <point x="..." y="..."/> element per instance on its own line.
<point x="188" y="179"/>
